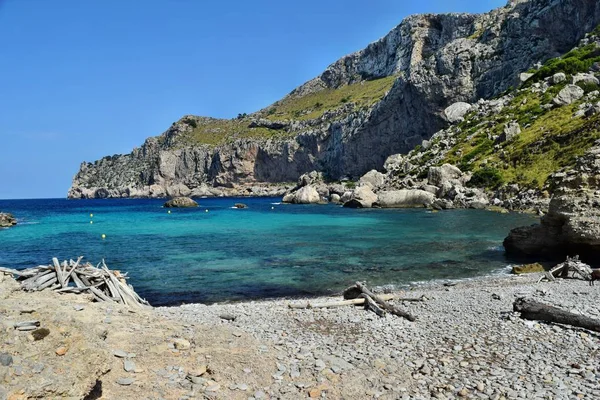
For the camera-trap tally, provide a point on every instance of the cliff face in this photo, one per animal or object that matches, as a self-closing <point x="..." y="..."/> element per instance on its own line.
<point x="430" y="61"/>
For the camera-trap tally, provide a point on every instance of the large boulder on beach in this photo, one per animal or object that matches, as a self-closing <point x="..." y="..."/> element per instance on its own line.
<point x="7" y="220"/>
<point x="181" y="202"/>
<point x="404" y="198"/>
<point x="361" y="197"/>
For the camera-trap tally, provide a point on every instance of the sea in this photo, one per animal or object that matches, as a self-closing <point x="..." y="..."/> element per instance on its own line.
<point x="218" y="253"/>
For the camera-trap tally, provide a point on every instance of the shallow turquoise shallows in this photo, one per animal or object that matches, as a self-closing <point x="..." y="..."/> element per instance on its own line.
<point x="218" y="253"/>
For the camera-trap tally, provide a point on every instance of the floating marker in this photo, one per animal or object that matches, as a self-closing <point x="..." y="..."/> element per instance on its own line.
<point x="103" y="236"/>
<point x="205" y="210"/>
<point x="91" y="215"/>
<point x="169" y="212"/>
<point x="272" y="208"/>
<point x="91" y="222"/>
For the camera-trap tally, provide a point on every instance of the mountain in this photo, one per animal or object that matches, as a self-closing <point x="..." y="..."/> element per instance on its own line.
<point x="383" y="100"/>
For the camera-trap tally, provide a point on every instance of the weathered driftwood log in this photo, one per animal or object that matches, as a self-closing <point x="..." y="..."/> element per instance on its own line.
<point x="371" y="305"/>
<point x="385" y="305"/>
<point x="536" y="311"/>
<point x="356" y="301"/>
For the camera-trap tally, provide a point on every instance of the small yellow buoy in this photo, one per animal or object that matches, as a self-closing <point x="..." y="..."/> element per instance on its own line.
<point x="169" y="212"/>
<point x="103" y="236"/>
<point x="91" y="222"/>
<point x="91" y="215"/>
<point x="205" y="210"/>
<point x="272" y="208"/>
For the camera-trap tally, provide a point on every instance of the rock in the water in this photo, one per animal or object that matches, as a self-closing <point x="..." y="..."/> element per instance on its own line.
<point x="181" y="202"/>
<point x="240" y="205"/>
<point x="568" y="95"/>
<point x="456" y="112"/>
<point x="527" y="268"/>
<point x="404" y="198"/>
<point x="335" y="198"/>
<point x="362" y="197"/>
<point x="7" y="220"/>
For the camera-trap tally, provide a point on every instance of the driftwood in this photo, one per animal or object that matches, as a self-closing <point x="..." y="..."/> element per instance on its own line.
<point x="536" y="311"/>
<point x="333" y="304"/>
<point x="360" y="294"/>
<point x="74" y="277"/>
<point x="385" y="305"/>
<point x="573" y="266"/>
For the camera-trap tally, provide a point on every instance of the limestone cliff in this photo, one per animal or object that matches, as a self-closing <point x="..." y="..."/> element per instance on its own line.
<point x="382" y="100"/>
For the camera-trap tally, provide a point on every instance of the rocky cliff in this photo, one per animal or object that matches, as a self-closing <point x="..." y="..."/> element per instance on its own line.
<point x="382" y="100"/>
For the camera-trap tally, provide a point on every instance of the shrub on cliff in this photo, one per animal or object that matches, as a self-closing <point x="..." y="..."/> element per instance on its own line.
<point x="487" y="177"/>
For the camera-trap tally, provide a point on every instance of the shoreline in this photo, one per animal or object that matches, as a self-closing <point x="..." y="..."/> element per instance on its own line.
<point x="466" y="342"/>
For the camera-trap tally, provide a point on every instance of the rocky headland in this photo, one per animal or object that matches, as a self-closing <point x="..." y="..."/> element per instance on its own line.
<point x="426" y="74"/>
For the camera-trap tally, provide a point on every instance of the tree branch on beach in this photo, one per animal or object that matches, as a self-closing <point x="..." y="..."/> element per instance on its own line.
<point x="536" y="311"/>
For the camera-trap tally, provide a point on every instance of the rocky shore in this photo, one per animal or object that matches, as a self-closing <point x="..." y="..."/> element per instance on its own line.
<point x="466" y="342"/>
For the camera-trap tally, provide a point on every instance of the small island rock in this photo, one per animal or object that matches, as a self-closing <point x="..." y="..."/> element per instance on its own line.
<point x="7" y="220"/>
<point x="181" y="202"/>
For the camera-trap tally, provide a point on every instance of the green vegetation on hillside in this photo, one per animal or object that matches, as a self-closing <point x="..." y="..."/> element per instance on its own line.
<point x="575" y="61"/>
<point x="219" y="131"/>
<point x="312" y="106"/>
<point x="549" y="140"/>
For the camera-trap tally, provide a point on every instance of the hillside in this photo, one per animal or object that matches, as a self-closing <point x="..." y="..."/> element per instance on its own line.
<point x="383" y="100"/>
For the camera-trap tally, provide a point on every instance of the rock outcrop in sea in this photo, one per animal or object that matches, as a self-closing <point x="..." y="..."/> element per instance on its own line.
<point x="181" y="202"/>
<point x="7" y="220"/>
<point x="383" y="100"/>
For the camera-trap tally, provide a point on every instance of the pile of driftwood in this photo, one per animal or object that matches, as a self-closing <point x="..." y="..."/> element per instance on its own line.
<point x="359" y="294"/>
<point x="75" y="277"/>
<point x="571" y="266"/>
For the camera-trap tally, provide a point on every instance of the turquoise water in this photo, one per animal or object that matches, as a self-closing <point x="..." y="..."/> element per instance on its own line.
<point x="267" y="250"/>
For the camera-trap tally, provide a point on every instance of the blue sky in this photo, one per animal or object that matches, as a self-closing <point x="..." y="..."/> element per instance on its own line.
<point x="83" y="79"/>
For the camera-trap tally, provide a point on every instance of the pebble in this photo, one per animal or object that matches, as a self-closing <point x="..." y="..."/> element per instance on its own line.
<point x="78" y="307"/>
<point x="181" y="344"/>
<point x="125" y="381"/>
<point x="120" y="353"/>
<point x="6" y="359"/>
<point x="128" y="365"/>
<point x="463" y="344"/>
<point x="61" y="351"/>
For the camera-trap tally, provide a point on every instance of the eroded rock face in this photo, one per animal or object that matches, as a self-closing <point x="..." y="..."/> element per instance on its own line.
<point x="181" y="202"/>
<point x="572" y="224"/>
<point x="438" y="60"/>
<point x="7" y="220"/>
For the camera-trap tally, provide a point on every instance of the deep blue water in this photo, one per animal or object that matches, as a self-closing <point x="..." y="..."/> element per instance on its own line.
<point x="267" y="250"/>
